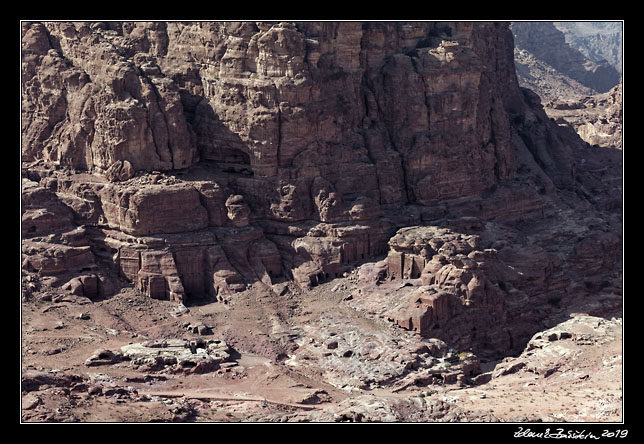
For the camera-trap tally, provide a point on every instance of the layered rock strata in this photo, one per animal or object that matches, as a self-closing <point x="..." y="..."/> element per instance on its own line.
<point x="198" y="159"/>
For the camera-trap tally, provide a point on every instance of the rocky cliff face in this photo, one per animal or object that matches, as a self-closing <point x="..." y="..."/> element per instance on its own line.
<point x="199" y="159"/>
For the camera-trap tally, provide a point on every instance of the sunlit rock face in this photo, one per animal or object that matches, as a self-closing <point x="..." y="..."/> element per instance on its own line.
<point x="202" y="158"/>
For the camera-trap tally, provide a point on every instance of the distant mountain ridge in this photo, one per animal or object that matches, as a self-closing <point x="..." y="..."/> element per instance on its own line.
<point x="548" y="46"/>
<point x="596" y="40"/>
<point x="562" y="63"/>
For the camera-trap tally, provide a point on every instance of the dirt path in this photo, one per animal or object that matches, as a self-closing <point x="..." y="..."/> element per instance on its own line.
<point x="260" y="382"/>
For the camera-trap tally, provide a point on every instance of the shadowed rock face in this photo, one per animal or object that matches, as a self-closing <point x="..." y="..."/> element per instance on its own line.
<point x="204" y="157"/>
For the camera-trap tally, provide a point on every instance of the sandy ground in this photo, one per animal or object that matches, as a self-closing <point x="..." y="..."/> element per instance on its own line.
<point x="56" y="340"/>
<point x="585" y="388"/>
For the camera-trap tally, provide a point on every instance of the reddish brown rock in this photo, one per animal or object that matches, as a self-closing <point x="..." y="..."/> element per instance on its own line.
<point x="213" y="198"/>
<point x="50" y="259"/>
<point x="401" y="142"/>
<point x="119" y="171"/>
<point x="459" y="283"/>
<point x="225" y="279"/>
<point x="297" y="151"/>
<point x="119" y="109"/>
<point x="43" y="213"/>
<point x="154" y="209"/>
<point x="158" y="276"/>
<point x="237" y="210"/>
<point x="86" y="286"/>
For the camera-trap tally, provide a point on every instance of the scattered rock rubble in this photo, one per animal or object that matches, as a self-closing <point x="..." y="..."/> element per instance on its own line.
<point x="300" y="222"/>
<point x="177" y="355"/>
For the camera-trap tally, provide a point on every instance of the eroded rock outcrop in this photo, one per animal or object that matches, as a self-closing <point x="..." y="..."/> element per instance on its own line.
<point x="557" y="348"/>
<point x="199" y="159"/>
<point x="469" y="285"/>
<point x="596" y="118"/>
<point x="177" y="355"/>
<point x="441" y="283"/>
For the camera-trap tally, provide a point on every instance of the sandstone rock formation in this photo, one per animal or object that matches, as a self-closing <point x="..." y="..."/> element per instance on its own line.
<point x="196" y="160"/>
<point x="550" y="350"/>
<point x="596" y="118"/>
<point x="456" y="273"/>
